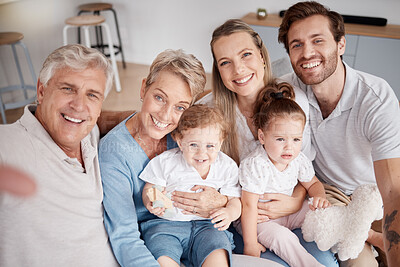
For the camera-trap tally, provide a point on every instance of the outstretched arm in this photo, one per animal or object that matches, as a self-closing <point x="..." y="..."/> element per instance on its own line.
<point x="16" y="182"/>
<point x="387" y="173"/>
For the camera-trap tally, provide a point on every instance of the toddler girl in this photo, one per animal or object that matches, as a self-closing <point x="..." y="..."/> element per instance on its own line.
<point x="275" y="167"/>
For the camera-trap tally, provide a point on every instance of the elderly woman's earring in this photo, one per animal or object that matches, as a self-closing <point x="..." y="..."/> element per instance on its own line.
<point x="141" y="99"/>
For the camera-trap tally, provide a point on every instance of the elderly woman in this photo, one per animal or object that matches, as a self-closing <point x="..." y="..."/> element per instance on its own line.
<point x="175" y="79"/>
<point x="241" y="70"/>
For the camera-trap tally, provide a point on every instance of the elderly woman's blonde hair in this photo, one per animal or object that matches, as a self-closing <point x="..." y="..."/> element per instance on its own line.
<point x="185" y="66"/>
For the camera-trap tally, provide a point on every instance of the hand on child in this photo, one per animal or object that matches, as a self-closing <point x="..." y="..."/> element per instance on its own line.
<point x="221" y="219"/>
<point x="254" y="250"/>
<point x="204" y="200"/>
<point x="280" y="205"/>
<point x="319" y="203"/>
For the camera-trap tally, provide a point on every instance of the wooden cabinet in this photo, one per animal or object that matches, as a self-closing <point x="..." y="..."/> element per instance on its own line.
<point x="372" y="49"/>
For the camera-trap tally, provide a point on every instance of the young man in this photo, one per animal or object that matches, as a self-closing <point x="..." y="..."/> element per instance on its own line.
<point x="354" y="119"/>
<point x="55" y="142"/>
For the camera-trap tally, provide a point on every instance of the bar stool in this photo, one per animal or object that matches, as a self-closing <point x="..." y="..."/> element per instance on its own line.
<point x="96" y="8"/>
<point x="13" y="39"/>
<point x="92" y="20"/>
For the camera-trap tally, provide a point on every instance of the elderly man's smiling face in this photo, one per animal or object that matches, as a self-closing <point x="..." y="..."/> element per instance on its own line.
<point x="70" y="104"/>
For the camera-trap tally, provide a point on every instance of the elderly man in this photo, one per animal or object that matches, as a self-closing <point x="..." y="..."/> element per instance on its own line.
<point x="354" y="119"/>
<point x="56" y="142"/>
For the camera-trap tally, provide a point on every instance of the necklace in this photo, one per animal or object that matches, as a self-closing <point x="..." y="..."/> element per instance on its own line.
<point x="141" y="140"/>
<point x="151" y="152"/>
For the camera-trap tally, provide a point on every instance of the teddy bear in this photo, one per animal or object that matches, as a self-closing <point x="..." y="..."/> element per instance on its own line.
<point x="344" y="229"/>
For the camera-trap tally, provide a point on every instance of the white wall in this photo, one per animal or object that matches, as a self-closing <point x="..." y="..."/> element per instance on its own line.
<point x="150" y="26"/>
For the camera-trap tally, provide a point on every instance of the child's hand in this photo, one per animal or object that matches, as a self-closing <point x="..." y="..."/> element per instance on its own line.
<point x="221" y="219"/>
<point x="156" y="211"/>
<point x="149" y="205"/>
<point x="254" y="250"/>
<point x="319" y="202"/>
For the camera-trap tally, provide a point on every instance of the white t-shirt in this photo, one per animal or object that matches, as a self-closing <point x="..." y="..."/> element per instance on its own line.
<point x="257" y="174"/>
<point x="363" y="128"/>
<point x="246" y="141"/>
<point x="170" y="170"/>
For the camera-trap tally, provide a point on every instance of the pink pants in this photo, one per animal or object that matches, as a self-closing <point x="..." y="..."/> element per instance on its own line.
<point x="278" y="237"/>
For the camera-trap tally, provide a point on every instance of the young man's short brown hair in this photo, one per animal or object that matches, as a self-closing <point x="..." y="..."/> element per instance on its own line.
<point x="304" y="10"/>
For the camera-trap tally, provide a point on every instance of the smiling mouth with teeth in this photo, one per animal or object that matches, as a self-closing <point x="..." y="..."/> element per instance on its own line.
<point x="245" y="79"/>
<point x="311" y="65"/>
<point x="71" y="119"/>
<point x="159" y="124"/>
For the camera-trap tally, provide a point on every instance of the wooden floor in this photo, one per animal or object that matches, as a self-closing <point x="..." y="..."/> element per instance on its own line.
<point x="128" y="99"/>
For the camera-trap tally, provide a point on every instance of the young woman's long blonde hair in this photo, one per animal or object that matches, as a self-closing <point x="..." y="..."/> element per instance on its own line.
<point x="224" y="98"/>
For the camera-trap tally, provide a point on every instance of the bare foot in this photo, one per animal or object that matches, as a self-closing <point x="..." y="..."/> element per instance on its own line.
<point x="375" y="239"/>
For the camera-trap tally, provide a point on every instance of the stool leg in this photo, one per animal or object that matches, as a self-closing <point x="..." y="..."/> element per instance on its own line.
<point x="119" y="38"/>
<point x="99" y="39"/>
<point x="85" y="31"/>
<point x="65" y="36"/>
<point x="28" y="59"/>
<point x="87" y="35"/>
<point x="112" y="56"/>
<point x="99" y="35"/>
<point x="79" y="28"/>
<point x="21" y="78"/>
<point x="2" y="111"/>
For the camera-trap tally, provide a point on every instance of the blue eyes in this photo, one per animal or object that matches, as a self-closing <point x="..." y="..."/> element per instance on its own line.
<point x="316" y="41"/>
<point x="194" y="147"/>
<point x="246" y="54"/>
<point x="162" y="101"/>
<point x="92" y="95"/>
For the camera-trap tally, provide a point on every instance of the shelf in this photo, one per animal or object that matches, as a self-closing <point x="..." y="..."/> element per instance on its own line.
<point x="388" y="31"/>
